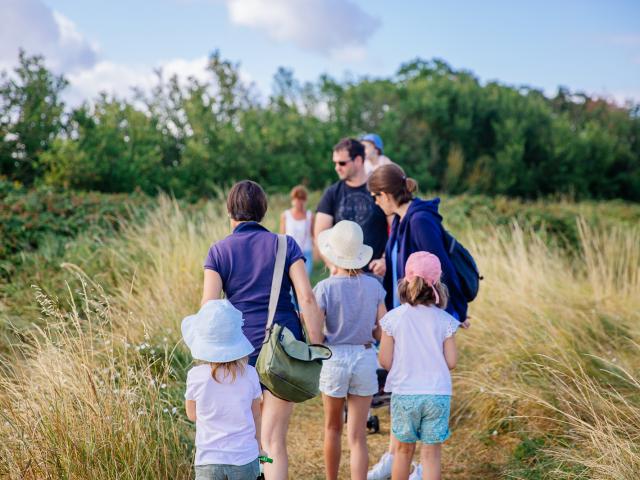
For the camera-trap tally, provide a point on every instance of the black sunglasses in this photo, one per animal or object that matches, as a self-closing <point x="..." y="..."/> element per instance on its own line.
<point x="376" y="195"/>
<point x="342" y="164"/>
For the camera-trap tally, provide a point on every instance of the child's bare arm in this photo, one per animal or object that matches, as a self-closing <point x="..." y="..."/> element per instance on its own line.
<point x="450" y="352"/>
<point x="386" y="351"/>
<point x="190" y="407"/>
<point x="377" y="331"/>
<point x="257" y="418"/>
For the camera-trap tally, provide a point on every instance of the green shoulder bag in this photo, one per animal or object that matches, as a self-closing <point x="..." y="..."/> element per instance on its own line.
<point x="289" y="368"/>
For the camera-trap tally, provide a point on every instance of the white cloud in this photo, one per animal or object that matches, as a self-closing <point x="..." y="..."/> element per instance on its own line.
<point x="627" y="40"/>
<point x="624" y="96"/>
<point x="338" y="28"/>
<point x="119" y="80"/>
<point x="34" y="27"/>
<point x="350" y="54"/>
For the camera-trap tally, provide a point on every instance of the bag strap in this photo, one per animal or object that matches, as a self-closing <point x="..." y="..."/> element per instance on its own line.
<point x="276" y="281"/>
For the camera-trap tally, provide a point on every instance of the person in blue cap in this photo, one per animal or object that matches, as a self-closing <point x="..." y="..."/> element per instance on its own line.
<point x="373" y="152"/>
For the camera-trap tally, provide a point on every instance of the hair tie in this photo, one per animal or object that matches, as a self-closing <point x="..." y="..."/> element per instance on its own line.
<point x="404" y="177"/>
<point x="435" y="292"/>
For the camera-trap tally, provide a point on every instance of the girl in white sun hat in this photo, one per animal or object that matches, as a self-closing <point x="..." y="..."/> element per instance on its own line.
<point x="353" y="303"/>
<point x="223" y="394"/>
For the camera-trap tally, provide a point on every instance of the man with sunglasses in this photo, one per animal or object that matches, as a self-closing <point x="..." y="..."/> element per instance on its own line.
<point x="349" y="198"/>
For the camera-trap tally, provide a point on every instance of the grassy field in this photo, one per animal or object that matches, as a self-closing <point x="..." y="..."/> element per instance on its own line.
<point x="547" y="385"/>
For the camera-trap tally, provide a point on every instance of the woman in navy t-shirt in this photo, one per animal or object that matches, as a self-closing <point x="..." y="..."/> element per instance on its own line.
<point x="242" y="266"/>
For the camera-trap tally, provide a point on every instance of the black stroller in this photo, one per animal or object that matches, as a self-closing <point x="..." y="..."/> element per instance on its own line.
<point x="380" y="399"/>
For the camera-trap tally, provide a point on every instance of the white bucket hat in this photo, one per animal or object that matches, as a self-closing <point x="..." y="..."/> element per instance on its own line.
<point x="214" y="334"/>
<point x="343" y="245"/>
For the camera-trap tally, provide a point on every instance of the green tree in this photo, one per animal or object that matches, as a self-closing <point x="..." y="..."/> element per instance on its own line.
<point x="117" y="150"/>
<point x="31" y="116"/>
<point x="447" y="129"/>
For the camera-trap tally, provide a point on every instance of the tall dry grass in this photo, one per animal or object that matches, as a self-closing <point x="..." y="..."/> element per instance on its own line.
<point x="98" y="393"/>
<point x="547" y="383"/>
<point x="553" y="354"/>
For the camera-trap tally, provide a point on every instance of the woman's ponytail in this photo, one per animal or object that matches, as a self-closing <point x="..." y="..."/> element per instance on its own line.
<point x="412" y="185"/>
<point x="392" y="180"/>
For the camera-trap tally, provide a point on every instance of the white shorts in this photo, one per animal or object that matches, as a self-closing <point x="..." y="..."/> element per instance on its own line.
<point x="350" y="370"/>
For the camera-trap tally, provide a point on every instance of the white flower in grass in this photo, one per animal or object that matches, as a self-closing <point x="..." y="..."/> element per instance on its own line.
<point x="163" y="386"/>
<point x="174" y="410"/>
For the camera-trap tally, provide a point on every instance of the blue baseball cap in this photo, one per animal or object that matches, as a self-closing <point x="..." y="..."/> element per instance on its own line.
<point x="375" y="139"/>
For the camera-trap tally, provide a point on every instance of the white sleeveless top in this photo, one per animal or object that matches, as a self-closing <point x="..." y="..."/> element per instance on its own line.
<point x="300" y="230"/>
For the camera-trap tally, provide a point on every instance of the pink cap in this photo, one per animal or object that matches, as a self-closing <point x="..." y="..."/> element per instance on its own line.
<point x="426" y="266"/>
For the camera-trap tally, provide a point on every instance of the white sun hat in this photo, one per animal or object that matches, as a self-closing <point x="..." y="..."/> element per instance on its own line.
<point x="214" y="334"/>
<point x="343" y="245"/>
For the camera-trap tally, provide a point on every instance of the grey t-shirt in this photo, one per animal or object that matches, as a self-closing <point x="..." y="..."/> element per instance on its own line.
<point x="351" y="305"/>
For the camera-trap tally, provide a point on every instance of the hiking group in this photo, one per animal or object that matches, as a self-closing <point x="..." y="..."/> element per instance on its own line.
<point x="394" y="299"/>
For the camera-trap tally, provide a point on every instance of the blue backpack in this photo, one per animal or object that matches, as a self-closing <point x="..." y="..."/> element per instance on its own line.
<point x="465" y="266"/>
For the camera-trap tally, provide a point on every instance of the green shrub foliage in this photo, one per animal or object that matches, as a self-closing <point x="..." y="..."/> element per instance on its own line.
<point x="449" y="130"/>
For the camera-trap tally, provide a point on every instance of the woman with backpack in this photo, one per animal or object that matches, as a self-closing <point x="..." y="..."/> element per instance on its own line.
<point x="417" y="226"/>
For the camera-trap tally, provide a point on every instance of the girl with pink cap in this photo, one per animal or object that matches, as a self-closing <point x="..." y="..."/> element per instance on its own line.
<point x="418" y="349"/>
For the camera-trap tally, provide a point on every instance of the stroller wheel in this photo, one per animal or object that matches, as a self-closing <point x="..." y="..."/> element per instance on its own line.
<point x="373" y="424"/>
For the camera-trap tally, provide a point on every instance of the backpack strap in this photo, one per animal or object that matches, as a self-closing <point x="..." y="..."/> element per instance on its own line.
<point x="452" y="243"/>
<point x="276" y="281"/>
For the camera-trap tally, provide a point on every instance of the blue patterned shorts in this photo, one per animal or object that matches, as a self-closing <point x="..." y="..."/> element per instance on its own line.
<point x="423" y="418"/>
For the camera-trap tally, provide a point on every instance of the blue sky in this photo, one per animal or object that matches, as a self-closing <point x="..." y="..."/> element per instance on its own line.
<point x="589" y="46"/>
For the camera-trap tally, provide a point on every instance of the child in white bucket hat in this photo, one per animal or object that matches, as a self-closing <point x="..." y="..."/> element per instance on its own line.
<point x="223" y="394"/>
<point x="353" y="303"/>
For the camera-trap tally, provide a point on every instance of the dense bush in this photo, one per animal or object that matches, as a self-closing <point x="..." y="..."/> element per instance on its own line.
<point x="555" y="220"/>
<point x="450" y="131"/>
<point x="30" y="216"/>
